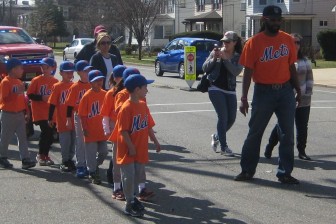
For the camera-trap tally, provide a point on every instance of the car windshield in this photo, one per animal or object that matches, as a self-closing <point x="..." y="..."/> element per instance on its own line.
<point x="85" y="41"/>
<point x="14" y="36"/>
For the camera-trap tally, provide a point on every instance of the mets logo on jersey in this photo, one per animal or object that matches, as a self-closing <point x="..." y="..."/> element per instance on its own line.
<point x="15" y="89"/>
<point x="63" y="97"/>
<point x="272" y="54"/>
<point x="44" y="91"/>
<point x="139" y="124"/>
<point x="80" y="96"/>
<point x="95" y="110"/>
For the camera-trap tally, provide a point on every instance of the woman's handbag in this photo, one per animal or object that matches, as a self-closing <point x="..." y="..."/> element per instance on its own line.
<point x="204" y="84"/>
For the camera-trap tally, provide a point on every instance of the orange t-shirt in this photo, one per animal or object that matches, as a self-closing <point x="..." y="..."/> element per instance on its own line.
<point x="90" y="107"/>
<point x="136" y="119"/>
<point x="120" y="98"/>
<point x="40" y="85"/>
<point x="58" y="96"/>
<point x="76" y="92"/>
<point x="269" y="57"/>
<point x="108" y="105"/>
<point x="10" y="99"/>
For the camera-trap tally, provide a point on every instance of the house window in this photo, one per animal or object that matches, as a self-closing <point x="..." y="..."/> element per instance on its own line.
<point x="243" y="6"/>
<point x="163" y="32"/>
<point x="200" y="5"/>
<point x="324" y="23"/>
<point x="249" y="2"/>
<point x="170" y="6"/>
<point x="216" y="4"/>
<point x="280" y="1"/>
<point x="296" y="0"/>
<point x="158" y="32"/>
<point x="182" y="3"/>
<point x="262" y="2"/>
<point x="163" y="6"/>
<point x="243" y="31"/>
<point x="168" y="32"/>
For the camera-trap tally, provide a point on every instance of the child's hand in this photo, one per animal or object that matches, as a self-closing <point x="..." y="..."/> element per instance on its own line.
<point x="51" y="124"/>
<point x="158" y="147"/>
<point x="68" y="123"/>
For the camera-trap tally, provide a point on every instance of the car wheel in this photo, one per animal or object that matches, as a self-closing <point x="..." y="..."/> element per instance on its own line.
<point x="158" y="71"/>
<point x="64" y="57"/>
<point x="181" y="70"/>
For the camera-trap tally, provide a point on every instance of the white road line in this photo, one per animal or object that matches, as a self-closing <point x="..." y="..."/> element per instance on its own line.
<point x="325" y="91"/>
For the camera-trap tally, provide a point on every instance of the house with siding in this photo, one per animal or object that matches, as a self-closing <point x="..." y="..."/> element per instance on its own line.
<point x="307" y="17"/>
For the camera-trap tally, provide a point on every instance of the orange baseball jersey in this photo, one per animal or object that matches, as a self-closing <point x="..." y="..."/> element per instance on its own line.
<point x="90" y="107"/>
<point x="40" y="85"/>
<point x="269" y="57"/>
<point x="120" y="98"/>
<point x="76" y="92"/>
<point x="10" y="98"/>
<point x="108" y="105"/>
<point x="58" y="96"/>
<point x="136" y="119"/>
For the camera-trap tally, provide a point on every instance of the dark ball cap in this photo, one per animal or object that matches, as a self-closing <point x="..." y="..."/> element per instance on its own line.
<point x="272" y="11"/>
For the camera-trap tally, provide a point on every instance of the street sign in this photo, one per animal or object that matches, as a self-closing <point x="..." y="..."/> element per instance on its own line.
<point x="190" y="65"/>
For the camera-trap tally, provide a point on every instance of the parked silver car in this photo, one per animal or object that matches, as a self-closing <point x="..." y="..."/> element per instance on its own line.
<point x="72" y="49"/>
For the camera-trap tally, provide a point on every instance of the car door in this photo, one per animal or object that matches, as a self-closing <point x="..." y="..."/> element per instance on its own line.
<point x="167" y="58"/>
<point x="71" y="49"/>
<point x="178" y="55"/>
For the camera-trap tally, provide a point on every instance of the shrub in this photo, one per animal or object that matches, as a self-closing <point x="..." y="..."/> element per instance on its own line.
<point x="201" y="34"/>
<point x="326" y="39"/>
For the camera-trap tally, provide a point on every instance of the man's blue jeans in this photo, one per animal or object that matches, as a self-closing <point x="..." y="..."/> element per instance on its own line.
<point x="267" y="101"/>
<point x="226" y="108"/>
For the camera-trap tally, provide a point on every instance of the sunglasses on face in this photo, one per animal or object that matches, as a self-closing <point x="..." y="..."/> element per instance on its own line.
<point x="226" y="41"/>
<point x="105" y="43"/>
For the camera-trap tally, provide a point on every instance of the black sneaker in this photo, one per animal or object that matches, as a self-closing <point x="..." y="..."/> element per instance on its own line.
<point x="27" y="163"/>
<point x="244" y="176"/>
<point x="288" y="180"/>
<point x="64" y="167"/>
<point x="4" y="163"/>
<point x="71" y="165"/>
<point x="132" y="210"/>
<point x="138" y="204"/>
<point x="94" y="177"/>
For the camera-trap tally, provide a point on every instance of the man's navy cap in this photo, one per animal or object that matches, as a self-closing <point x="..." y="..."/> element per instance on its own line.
<point x="136" y="80"/>
<point x="48" y="61"/>
<point x="12" y="63"/>
<point x="128" y="71"/>
<point x="67" y="66"/>
<point x="82" y="65"/>
<point x="95" y="75"/>
<point x="272" y="11"/>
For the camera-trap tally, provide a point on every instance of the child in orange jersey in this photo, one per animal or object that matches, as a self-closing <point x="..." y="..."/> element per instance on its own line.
<point x="89" y="112"/>
<point x="67" y="136"/>
<point x="76" y="93"/>
<point x="38" y="92"/>
<point x="109" y="119"/>
<point x="13" y="120"/>
<point x="134" y="125"/>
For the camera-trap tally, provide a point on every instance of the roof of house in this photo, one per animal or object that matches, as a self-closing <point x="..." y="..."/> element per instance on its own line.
<point x="213" y="15"/>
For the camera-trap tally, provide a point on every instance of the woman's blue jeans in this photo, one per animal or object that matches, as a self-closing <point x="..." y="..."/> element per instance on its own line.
<point x="267" y="101"/>
<point x="226" y="108"/>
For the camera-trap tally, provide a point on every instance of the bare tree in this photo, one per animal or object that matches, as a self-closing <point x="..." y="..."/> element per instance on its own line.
<point x="138" y="16"/>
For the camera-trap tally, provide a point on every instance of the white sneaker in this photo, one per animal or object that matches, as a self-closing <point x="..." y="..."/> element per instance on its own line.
<point x="214" y="143"/>
<point x="227" y="152"/>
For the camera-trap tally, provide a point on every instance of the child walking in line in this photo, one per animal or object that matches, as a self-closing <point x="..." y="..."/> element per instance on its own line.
<point x="109" y="119"/>
<point x="38" y="92"/>
<point x="76" y="92"/>
<point x="89" y="112"/>
<point x="134" y="125"/>
<point x="57" y="101"/>
<point x="13" y="109"/>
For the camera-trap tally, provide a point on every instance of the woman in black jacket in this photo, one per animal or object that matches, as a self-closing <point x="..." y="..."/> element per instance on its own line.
<point x="103" y="60"/>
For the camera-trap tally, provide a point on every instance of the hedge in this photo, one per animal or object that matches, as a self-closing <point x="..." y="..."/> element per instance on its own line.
<point x="326" y="39"/>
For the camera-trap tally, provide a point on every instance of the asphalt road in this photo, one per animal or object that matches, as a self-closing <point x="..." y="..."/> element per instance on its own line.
<point x="192" y="183"/>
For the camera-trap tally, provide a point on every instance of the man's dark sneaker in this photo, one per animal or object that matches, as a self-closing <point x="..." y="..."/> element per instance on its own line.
<point x="133" y="210"/>
<point x="288" y="180"/>
<point x="145" y="194"/>
<point x="71" y="165"/>
<point x="268" y="152"/>
<point x="94" y="177"/>
<point x="64" y="167"/>
<point x="303" y="155"/>
<point x="4" y="163"/>
<point x="27" y="163"/>
<point x="138" y="204"/>
<point x="243" y="176"/>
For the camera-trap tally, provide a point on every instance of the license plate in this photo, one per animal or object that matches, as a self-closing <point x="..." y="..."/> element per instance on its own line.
<point x="30" y="75"/>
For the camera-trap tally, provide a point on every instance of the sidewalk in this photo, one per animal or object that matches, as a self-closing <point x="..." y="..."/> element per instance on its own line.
<point x="325" y="77"/>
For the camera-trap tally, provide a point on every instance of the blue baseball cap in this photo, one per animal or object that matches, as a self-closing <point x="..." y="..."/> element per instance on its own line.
<point x="82" y="65"/>
<point x="129" y="71"/>
<point x="136" y="80"/>
<point x="48" y="61"/>
<point x="95" y="75"/>
<point x="118" y="71"/>
<point x="67" y="66"/>
<point x="12" y="63"/>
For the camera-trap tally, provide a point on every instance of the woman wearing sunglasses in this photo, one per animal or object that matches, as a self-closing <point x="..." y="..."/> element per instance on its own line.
<point x="103" y="60"/>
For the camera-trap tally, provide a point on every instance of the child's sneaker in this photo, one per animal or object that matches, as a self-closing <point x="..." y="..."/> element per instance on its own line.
<point x="118" y="194"/>
<point x="64" y="167"/>
<point x="4" y="163"/>
<point x="132" y="210"/>
<point x="94" y="177"/>
<point x="138" y="204"/>
<point x="48" y="161"/>
<point x="71" y="165"/>
<point x="214" y="142"/>
<point x="145" y="194"/>
<point x="81" y="172"/>
<point x="27" y="163"/>
<point x="41" y="160"/>
<point x="227" y="152"/>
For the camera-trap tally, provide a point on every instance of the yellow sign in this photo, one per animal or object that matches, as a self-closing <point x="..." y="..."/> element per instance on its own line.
<point x="190" y="64"/>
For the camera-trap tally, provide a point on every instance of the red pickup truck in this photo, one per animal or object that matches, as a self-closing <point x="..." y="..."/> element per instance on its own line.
<point x="15" y="42"/>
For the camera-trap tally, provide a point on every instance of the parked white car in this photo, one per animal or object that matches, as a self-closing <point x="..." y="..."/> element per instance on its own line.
<point x="72" y="49"/>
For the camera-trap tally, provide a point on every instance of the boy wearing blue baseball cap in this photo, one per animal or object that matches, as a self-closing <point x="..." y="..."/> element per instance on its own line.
<point x="89" y="112"/>
<point x="13" y="114"/>
<point x="134" y="125"/>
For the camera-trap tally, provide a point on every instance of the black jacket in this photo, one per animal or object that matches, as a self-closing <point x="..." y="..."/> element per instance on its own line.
<point x="90" y="49"/>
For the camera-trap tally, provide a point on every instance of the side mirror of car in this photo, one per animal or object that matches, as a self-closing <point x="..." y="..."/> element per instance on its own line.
<point x="68" y="45"/>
